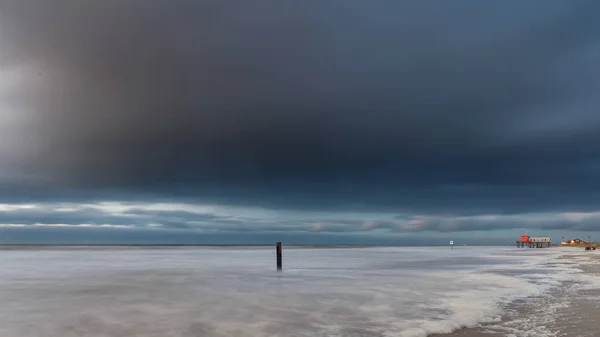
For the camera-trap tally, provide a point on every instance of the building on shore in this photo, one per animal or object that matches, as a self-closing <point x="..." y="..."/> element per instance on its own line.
<point x="574" y="242"/>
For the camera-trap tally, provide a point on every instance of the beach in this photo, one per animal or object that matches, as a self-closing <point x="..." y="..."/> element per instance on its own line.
<point x="337" y="292"/>
<point x="572" y="310"/>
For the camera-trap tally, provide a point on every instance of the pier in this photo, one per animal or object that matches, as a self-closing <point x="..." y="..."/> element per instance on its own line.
<point x="534" y="242"/>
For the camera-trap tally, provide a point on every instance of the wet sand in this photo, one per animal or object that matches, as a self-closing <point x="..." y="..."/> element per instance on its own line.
<point x="570" y="311"/>
<point x="581" y="320"/>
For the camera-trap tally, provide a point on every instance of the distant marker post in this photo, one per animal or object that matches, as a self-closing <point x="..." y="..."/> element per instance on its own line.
<point x="451" y="245"/>
<point x="279" y="256"/>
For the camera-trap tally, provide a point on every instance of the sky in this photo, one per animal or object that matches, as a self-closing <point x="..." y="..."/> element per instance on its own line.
<point x="345" y="121"/>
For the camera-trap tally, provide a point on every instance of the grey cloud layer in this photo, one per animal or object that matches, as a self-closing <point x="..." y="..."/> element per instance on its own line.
<point x="178" y="218"/>
<point x="410" y="105"/>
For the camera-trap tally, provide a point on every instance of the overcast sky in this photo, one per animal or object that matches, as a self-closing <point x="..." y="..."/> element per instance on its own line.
<point x="341" y="121"/>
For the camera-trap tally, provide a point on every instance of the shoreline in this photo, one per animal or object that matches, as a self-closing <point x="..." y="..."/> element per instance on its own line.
<point x="570" y="310"/>
<point x="250" y="245"/>
<point x="86" y="245"/>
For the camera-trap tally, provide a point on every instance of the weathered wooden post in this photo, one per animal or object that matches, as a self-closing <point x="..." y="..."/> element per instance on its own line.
<point x="279" y="256"/>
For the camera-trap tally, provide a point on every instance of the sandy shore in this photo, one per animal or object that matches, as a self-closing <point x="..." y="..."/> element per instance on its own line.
<point x="570" y="311"/>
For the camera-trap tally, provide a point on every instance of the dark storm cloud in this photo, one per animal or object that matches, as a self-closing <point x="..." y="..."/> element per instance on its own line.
<point x="466" y="105"/>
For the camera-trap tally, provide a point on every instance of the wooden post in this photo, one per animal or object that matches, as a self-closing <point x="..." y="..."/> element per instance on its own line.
<point x="279" y="256"/>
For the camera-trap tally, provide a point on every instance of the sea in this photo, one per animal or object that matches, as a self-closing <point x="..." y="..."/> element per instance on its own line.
<point x="237" y="291"/>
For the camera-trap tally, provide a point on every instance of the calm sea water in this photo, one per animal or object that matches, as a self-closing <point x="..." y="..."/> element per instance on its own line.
<point x="209" y="292"/>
